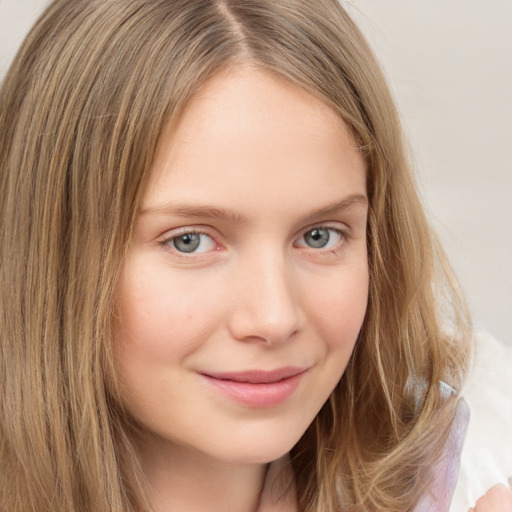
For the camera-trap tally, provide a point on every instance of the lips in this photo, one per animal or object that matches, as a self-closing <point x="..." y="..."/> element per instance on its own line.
<point x="257" y="388"/>
<point x="259" y="376"/>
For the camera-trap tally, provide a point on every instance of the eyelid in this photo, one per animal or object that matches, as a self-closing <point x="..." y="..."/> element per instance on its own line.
<point x="337" y="226"/>
<point x="342" y="230"/>
<point x="166" y="239"/>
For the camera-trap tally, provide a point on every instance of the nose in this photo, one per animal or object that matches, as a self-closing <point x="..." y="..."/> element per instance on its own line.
<point x="266" y="301"/>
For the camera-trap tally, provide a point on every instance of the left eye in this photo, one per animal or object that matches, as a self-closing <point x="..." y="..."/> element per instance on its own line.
<point x="191" y="242"/>
<point x="321" y="238"/>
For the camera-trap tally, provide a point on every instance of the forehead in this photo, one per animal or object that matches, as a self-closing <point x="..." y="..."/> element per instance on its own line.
<point x="248" y="132"/>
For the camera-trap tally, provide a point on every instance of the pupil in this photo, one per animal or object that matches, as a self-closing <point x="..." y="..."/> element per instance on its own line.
<point x="187" y="243"/>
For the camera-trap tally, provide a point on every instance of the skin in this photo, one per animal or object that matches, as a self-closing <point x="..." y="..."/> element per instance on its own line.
<point x="271" y="162"/>
<point x="496" y="499"/>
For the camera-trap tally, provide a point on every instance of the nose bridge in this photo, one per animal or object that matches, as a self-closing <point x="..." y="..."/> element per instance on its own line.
<point x="266" y="306"/>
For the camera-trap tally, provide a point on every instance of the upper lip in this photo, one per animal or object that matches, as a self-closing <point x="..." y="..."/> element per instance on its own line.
<point x="259" y="376"/>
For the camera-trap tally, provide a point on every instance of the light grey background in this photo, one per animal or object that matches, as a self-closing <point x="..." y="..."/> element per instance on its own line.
<point x="450" y="66"/>
<point x="449" y="63"/>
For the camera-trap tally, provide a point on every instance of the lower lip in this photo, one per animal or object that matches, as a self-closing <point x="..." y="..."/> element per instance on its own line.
<point x="267" y="394"/>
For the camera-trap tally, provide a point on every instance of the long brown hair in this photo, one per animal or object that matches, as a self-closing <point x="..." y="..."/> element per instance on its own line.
<point x="82" y="110"/>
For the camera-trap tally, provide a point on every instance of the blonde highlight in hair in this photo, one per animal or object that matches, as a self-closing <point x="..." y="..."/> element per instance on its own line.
<point x="82" y="111"/>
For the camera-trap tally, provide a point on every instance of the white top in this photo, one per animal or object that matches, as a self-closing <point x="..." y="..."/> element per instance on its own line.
<point x="487" y="454"/>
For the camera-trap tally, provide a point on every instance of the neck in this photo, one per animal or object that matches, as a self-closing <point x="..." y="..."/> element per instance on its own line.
<point x="185" y="480"/>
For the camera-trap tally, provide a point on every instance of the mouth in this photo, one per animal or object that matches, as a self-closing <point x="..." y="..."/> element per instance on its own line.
<point x="259" y="376"/>
<point x="257" y="388"/>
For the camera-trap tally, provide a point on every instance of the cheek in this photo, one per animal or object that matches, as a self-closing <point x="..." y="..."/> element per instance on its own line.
<point x="162" y="318"/>
<point x="339" y="307"/>
<point x="337" y="310"/>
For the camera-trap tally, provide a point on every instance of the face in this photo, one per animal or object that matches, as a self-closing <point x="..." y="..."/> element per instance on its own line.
<point x="246" y="285"/>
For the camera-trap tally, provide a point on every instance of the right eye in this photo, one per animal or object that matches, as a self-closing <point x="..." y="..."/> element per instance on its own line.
<point x="191" y="242"/>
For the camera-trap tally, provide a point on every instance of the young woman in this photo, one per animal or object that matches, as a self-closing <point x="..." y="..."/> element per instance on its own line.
<point x="220" y="291"/>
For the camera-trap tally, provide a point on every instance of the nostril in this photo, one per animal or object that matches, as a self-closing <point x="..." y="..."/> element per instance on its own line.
<point x="265" y="325"/>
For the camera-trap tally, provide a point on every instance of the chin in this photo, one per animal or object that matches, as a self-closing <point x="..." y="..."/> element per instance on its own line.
<point x="259" y="449"/>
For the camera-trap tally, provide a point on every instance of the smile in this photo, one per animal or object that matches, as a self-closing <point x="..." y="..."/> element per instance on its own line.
<point x="257" y="388"/>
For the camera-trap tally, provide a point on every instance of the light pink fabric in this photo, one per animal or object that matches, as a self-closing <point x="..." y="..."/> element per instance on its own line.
<point x="439" y="495"/>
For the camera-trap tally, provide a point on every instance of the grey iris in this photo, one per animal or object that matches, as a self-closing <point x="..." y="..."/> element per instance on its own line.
<point x="317" y="238"/>
<point x="187" y="243"/>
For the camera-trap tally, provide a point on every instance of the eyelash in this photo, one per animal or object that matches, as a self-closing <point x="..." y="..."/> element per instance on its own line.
<point x="342" y="234"/>
<point x="169" y="241"/>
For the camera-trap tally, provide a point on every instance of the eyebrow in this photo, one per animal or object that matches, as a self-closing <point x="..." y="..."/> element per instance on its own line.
<point x="340" y="206"/>
<point x="230" y="215"/>
<point x="195" y="212"/>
